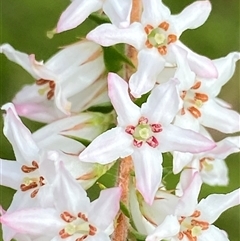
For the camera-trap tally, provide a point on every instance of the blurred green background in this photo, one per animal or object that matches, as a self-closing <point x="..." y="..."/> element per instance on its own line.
<point x="24" y="25"/>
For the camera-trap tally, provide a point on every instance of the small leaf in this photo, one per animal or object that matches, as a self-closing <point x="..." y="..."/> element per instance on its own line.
<point x="99" y="19"/>
<point x="142" y="100"/>
<point x="102" y="108"/>
<point x="124" y="209"/>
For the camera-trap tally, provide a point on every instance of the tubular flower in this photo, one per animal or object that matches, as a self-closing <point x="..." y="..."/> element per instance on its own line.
<point x="156" y="38"/>
<point x="144" y="133"/>
<point x="79" y="10"/>
<point x="195" y="220"/>
<point x="72" y="72"/>
<point x="73" y="216"/>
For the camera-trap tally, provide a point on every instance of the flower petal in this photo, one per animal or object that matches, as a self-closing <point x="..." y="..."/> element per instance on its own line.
<point x="25" y="149"/>
<point x="219" y="118"/>
<point x="213" y="233"/>
<point x="148" y="171"/>
<point x="163" y="103"/>
<point x="76" y="13"/>
<point x="108" y="34"/>
<point x="128" y="112"/>
<point x="215" y="204"/>
<point x="181" y="160"/>
<point x="173" y="138"/>
<point x="108" y="147"/>
<point x="193" y="16"/>
<point x="166" y="230"/>
<point x="104" y="209"/>
<point x="144" y="79"/>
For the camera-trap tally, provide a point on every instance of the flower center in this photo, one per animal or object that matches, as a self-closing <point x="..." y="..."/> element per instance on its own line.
<point x="144" y="132"/>
<point x="205" y="163"/>
<point x="76" y="225"/>
<point x="191" y="228"/>
<point x="193" y="100"/>
<point x="159" y="37"/>
<point x="49" y="87"/>
<point x="32" y="181"/>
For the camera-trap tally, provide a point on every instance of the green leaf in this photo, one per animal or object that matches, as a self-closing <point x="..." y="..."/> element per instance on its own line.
<point x="85" y="142"/>
<point x="142" y="100"/>
<point x="139" y="236"/>
<point x="99" y="19"/>
<point x="102" y="108"/>
<point x="124" y="209"/>
<point x="114" y="59"/>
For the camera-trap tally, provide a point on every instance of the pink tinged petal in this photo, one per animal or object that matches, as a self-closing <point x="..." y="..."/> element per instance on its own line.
<point x="187" y="203"/>
<point x="108" y="34"/>
<point x="162" y="104"/>
<point x="148" y="171"/>
<point x="202" y="66"/>
<point x="145" y="78"/>
<point x="154" y="12"/>
<point x="7" y="233"/>
<point x="226" y="67"/>
<point x="25" y="149"/>
<point x="104" y="209"/>
<point x="181" y="160"/>
<point x="220" y="118"/>
<point x="166" y="230"/>
<point x="173" y="138"/>
<point x="10" y="173"/>
<point x="19" y="58"/>
<point x="213" y="233"/>
<point x="108" y="147"/>
<point x="119" y="13"/>
<point x="193" y="16"/>
<point x="76" y="13"/>
<point x="218" y="175"/>
<point x="69" y="194"/>
<point x="128" y="112"/>
<point x="215" y="204"/>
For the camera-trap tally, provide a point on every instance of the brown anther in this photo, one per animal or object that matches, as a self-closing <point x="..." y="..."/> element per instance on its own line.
<point x="41" y="179"/>
<point x="52" y="84"/>
<point x="162" y="50"/>
<point x="152" y="141"/>
<point x="143" y="120"/>
<point x="182" y="111"/>
<point x="67" y="217"/>
<point x="24" y="187"/>
<point x="41" y="81"/>
<point x="92" y="230"/>
<point x="148" y="44"/>
<point x="183" y="94"/>
<point x="196" y="85"/>
<point x="172" y="38"/>
<point x="148" y="29"/>
<point x="180" y="235"/>
<point x="200" y="96"/>
<point x="188" y="233"/>
<point x="194" y="111"/>
<point x="156" y="128"/>
<point x="82" y="238"/>
<point x="202" y="224"/>
<point x="196" y="214"/>
<point x="137" y="143"/>
<point x="34" y="193"/>
<point x="164" y="26"/>
<point x="35" y="164"/>
<point x="27" y="169"/>
<point x="63" y="234"/>
<point x="50" y="94"/>
<point x="83" y="216"/>
<point x="130" y="130"/>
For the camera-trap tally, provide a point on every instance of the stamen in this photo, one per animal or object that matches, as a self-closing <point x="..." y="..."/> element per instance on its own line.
<point x="180" y="235"/>
<point x="50" y="94"/>
<point x="202" y="224"/>
<point x="52" y="84"/>
<point x="143" y="120"/>
<point x="82" y="238"/>
<point x="152" y="141"/>
<point x="83" y="216"/>
<point x="34" y="193"/>
<point x="189" y="235"/>
<point x="25" y="187"/>
<point x="92" y="230"/>
<point x="148" y="29"/>
<point x="162" y="50"/>
<point x="67" y="217"/>
<point x="137" y="143"/>
<point x="172" y="38"/>
<point x="148" y="44"/>
<point x="41" y="179"/>
<point x="194" y="111"/>
<point x="183" y="94"/>
<point x="196" y="214"/>
<point x="27" y="169"/>
<point x="41" y="81"/>
<point x="200" y="96"/>
<point x="63" y="234"/>
<point x="164" y="26"/>
<point x="196" y="85"/>
<point x="130" y="130"/>
<point x="156" y="128"/>
<point x="35" y="164"/>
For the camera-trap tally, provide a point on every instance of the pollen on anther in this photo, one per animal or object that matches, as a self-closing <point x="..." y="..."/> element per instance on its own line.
<point x="172" y="38"/>
<point x="148" y="29"/>
<point x="41" y="81"/>
<point x="164" y="26"/>
<point x="50" y="94"/>
<point x="162" y="50"/>
<point x="196" y="85"/>
<point x="194" y="111"/>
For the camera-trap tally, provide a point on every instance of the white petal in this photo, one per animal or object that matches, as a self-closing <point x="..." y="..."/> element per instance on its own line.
<point x="128" y="112"/>
<point x="174" y="138"/>
<point x="108" y="147"/>
<point x="99" y="236"/>
<point x="166" y="230"/>
<point x="104" y="209"/>
<point x="11" y="174"/>
<point x="25" y="149"/>
<point x="213" y="233"/>
<point x="118" y="12"/>
<point x="220" y="118"/>
<point x="193" y="16"/>
<point x="180" y="160"/>
<point x="148" y="171"/>
<point x="215" y="204"/>
<point x="154" y="12"/>
<point x="109" y="34"/>
<point x="76" y="13"/>
<point x="163" y="103"/>
<point x="145" y="78"/>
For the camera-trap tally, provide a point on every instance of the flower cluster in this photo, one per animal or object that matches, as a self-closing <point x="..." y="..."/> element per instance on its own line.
<point x="97" y="118"/>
